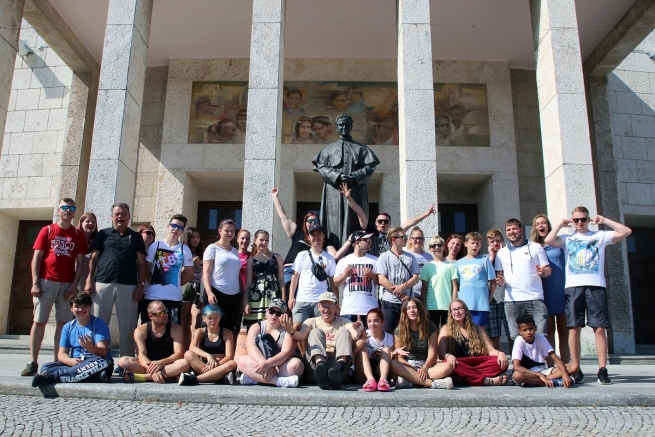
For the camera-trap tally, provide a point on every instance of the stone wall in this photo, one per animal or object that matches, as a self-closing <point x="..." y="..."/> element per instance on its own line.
<point x="35" y="128"/>
<point x="529" y="152"/>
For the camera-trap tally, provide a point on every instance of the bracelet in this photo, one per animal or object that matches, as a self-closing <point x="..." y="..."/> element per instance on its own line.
<point x="294" y="333"/>
<point x="423" y="366"/>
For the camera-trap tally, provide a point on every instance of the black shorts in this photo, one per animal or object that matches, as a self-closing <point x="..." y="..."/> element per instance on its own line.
<point x="589" y="298"/>
<point x="438" y="317"/>
<point x="173" y="306"/>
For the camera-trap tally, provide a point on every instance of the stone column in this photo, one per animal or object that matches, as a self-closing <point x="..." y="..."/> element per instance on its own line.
<point x="112" y="169"/>
<point x="568" y="165"/>
<point x="418" y="153"/>
<point x="264" y="130"/>
<point x="11" y="15"/>
<point x="621" y="334"/>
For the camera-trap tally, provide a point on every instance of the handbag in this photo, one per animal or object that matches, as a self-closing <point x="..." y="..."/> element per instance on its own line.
<point x="317" y="270"/>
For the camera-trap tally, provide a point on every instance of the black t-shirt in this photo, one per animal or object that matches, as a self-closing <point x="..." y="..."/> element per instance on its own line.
<point x="298" y="244"/>
<point x="117" y="261"/>
<point x="379" y="243"/>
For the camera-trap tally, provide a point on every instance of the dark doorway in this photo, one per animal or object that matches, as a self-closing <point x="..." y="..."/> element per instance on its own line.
<point x="457" y="219"/>
<point x="641" y="262"/>
<point x="303" y="208"/>
<point x="210" y="215"/>
<point x="21" y="314"/>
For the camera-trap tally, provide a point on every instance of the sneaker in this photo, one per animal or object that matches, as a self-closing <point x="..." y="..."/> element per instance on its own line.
<point x="31" y="369"/>
<point x="602" y="376"/>
<point x="104" y="377"/>
<point x="321" y="375"/>
<point x="578" y="377"/>
<point x="287" y="381"/>
<point x="40" y="379"/>
<point x="445" y="383"/>
<point x="403" y="383"/>
<point x="558" y="382"/>
<point x="247" y="380"/>
<point x="187" y="379"/>
<point x="229" y="378"/>
<point x="334" y="377"/>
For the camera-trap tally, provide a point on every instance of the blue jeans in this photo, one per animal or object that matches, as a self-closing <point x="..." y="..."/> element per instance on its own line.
<point x="87" y="370"/>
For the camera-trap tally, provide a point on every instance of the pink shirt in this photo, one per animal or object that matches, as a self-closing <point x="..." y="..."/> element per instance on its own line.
<point x="244" y="260"/>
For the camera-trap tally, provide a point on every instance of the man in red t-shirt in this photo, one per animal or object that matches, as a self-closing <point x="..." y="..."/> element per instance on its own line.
<point x="58" y="249"/>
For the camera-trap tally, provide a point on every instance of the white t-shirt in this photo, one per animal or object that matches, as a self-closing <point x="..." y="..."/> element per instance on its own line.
<point x="518" y="264"/>
<point x="359" y="293"/>
<point x="227" y="267"/>
<point x="374" y="347"/>
<point x="309" y="288"/>
<point x="537" y="351"/>
<point x="167" y="263"/>
<point x="422" y="259"/>
<point x="585" y="258"/>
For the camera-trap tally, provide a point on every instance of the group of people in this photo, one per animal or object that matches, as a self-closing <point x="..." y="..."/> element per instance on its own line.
<point x="406" y="316"/>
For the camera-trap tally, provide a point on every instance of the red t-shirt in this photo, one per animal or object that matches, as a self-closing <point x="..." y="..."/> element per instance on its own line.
<point x="61" y="247"/>
<point x="244" y="263"/>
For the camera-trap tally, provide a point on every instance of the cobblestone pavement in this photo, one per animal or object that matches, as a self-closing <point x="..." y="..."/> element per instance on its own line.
<point x="29" y="416"/>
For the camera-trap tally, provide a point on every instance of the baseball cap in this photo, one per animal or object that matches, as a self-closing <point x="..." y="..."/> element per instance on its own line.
<point x="328" y="295"/>
<point x="278" y="303"/>
<point x="359" y="235"/>
<point x="316" y="228"/>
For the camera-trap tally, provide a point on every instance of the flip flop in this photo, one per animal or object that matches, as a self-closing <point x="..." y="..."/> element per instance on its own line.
<point x="127" y="373"/>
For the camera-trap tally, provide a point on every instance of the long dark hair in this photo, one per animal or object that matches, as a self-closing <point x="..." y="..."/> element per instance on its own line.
<point x="462" y="250"/>
<point x="188" y="233"/>
<point x="223" y="223"/>
<point x="423" y="323"/>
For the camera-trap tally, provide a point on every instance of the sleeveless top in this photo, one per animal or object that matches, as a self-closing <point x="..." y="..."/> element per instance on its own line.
<point x="462" y="349"/>
<point x="213" y="347"/>
<point x="159" y="348"/>
<point x="280" y="339"/>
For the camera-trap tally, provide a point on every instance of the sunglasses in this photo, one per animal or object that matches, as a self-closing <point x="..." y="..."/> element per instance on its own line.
<point x="582" y="219"/>
<point x="67" y="208"/>
<point x="160" y="313"/>
<point x="273" y="312"/>
<point x="149" y="233"/>
<point x="432" y="246"/>
<point x="402" y="237"/>
<point x="313" y="221"/>
<point x="384" y="221"/>
<point x="176" y="227"/>
<point x="418" y="238"/>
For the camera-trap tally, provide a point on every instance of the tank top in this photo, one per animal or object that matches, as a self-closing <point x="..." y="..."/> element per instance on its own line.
<point x="462" y="349"/>
<point x="159" y="348"/>
<point x="213" y="347"/>
<point x="280" y="339"/>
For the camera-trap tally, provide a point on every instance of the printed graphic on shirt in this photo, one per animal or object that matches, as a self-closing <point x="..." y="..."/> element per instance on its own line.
<point x="358" y="281"/>
<point x="584" y="256"/>
<point x="167" y="267"/>
<point x="469" y="271"/>
<point x="62" y="246"/>
<point x="383" y="244"/>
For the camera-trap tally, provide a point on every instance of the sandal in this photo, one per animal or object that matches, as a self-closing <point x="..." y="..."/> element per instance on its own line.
<point x="497" y="381"/>
<point x="383" y="385"/>
<point x="370" y="385"/>
<point x="128" y="376"/>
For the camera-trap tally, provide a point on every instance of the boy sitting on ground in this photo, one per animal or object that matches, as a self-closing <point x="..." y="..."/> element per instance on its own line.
<point x="529" y="358"/>
<point x="84" y="353"/>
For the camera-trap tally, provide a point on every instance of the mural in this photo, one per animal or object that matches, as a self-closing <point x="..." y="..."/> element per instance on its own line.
<point x="218" y="112"/>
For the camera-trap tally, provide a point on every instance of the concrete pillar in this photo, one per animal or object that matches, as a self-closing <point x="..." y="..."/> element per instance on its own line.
<point x="11" y="15"/>
<point x="112" y="169"/>
<point x="621" y="334"/>
<point x="418" y="153"/>
<point x="568" y="165"/>
<point x="264" y="129"/>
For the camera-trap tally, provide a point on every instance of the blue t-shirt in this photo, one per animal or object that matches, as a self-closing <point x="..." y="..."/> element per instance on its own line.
<point x="554" y="283"/>
<point x="97" y="329"/>
<point x="474" y="276"/>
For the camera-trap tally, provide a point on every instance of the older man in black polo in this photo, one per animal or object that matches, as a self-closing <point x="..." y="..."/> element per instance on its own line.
<point x="117" y="275"/>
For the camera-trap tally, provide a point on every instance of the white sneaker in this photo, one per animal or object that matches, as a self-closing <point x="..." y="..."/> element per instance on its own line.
<point x="246" y="380"/>
<point x="446" y="383"/>
<point x="287" y="381"/>
<point x="403" y="383"/>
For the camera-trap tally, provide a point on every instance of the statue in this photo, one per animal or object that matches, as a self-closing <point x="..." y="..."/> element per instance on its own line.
<point x="344" y="161"/>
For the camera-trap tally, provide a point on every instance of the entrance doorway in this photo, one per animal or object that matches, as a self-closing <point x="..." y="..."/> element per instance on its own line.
<point x="457" y="219"/>
<point x="210" y="215"/>
<point x="641" y="262"/>
<point x="21" y="306"/>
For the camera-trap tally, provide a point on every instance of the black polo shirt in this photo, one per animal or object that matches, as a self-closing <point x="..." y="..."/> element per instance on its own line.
<point x="117" y="260"/>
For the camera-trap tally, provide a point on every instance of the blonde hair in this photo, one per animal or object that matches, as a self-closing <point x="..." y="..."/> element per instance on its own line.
<point x="493" y="233"/>
<point x="414" y="229"/>
<point x="477" y="346"/>
<point x="436" y="240"/>
<point x="473" y="236"/>
<point x="391" y="233"/>
<point x="534" y="233"/>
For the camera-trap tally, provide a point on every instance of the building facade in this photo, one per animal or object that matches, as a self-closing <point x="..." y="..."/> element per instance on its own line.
<point x="551" y="116"/>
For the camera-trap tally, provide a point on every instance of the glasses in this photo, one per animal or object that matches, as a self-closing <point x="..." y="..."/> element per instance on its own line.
<point x="402" y="237"/>
<point x="313" y="221"/>
<point x="273" y="312"/>
<point x="582" y="219"/>
<point x="384" y="221"/>
<point x="432" y="246"/>
<point x="176" y="227"/>
<point x="67" y="208"/>
<point x="160" y="313"/>
<point x="149" y="233"/>
<point x="457" y="310"/>
<point x="418" y="238"/>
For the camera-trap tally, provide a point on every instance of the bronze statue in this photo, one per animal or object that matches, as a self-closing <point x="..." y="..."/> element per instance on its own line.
<point x="344" y="161"/>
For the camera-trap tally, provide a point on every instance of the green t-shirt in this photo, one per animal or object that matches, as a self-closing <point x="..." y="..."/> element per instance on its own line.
<point x="439" y="276"/>
<point x="418" y="349"/>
